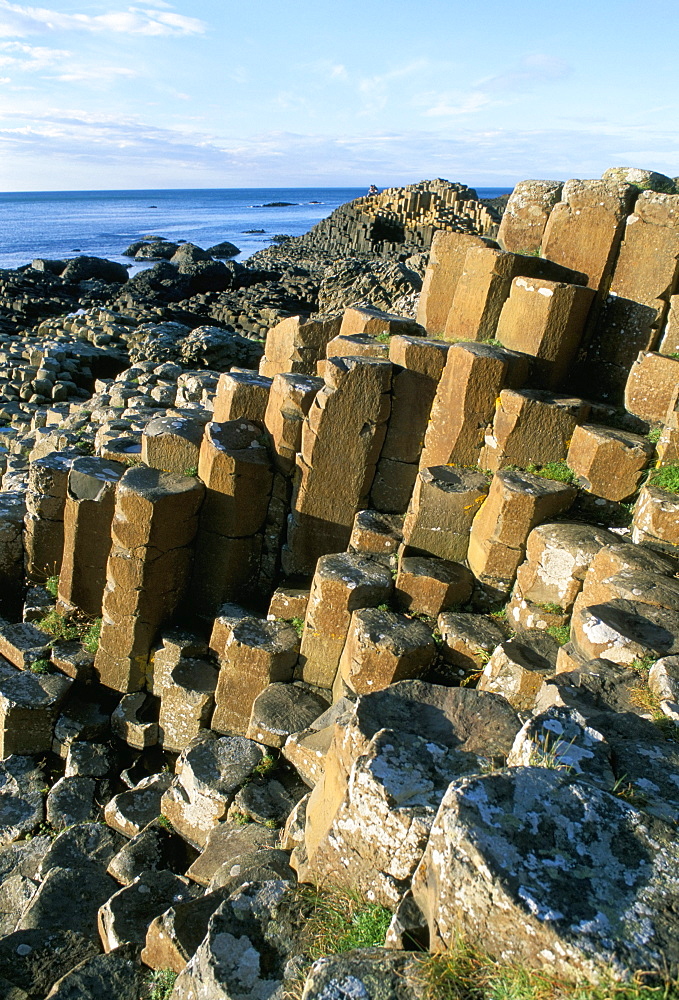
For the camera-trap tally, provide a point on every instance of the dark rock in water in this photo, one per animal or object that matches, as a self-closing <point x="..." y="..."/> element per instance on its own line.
<point x="254" y="230"/>
<point x="227" y="249"/>
<point x="278" y="204"/>
<point x="156" y="248"/>
<point x="49" y="266"/>
<point x="86" y="268"/>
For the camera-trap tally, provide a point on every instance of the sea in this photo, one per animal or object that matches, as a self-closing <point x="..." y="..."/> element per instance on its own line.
<point x="62" y="224"/>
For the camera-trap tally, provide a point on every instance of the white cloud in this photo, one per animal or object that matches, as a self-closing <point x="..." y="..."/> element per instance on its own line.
<point x="376" y="90"/>
<point x="129" y="152"/>
<point x="18" y="20"/>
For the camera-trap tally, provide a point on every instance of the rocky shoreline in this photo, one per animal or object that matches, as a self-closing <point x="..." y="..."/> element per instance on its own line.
<point x="351" y="569"/>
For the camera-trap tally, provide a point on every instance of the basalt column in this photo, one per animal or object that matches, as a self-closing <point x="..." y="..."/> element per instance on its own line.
<point x="155" y="522"/>
<point x="44" y="521"/>
<point x="234" y="465"/>
<point x="341" y="442"/>
<point x="90" y="501"/>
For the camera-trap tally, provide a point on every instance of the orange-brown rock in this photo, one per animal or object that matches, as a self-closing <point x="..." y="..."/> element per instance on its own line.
<point x="425" y="585"/>
<point x="670" y="339"/>
<point x="517" y="503"/>
<point x="44" y="520"/>
<point x="446" y="262"/>
<point x="608" y="462"/>
<point x="419" y="364"/>
<point x="531" y="426"/>
<point x="484" y="286"/>
<point x="296" y="344"/>
<point x="375" y="532"/>
<point x="647" y="268"/>
<point x="354" y="345"/>
<point x="473" y="377"/>
<point x="652" y="386"/>
<point x="342" y="583"/>
<point x="545" y="319"/>
<point x="383" y="647"/>
<point x="172" y="444"/>
<point x="155" y="522"/>
<point x="366" y="319"/>
<point x="558" y="557"/>
<point x="289" y="401"/>
<point x="235" y="467"/>
<point x="88" y="513"/>
<point x="444" y="503"/>
<point x="655" y="521"/>
<point x="585" y="228"/>
<point x="256" y="654"/>
<point x="241" y="396"/>
<point x="342" y="437"/>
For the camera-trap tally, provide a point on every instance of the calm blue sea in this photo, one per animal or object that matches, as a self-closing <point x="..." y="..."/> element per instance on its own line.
<point x="61" y="224"/>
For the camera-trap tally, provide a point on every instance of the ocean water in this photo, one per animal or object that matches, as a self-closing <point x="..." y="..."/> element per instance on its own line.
<point x="62" y="224"/>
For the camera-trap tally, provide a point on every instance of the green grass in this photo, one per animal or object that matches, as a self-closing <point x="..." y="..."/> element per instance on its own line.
<point x="91" y="637"/>
<point x="552" y="609"/>
<point x="558" y="471"/>
<point x="159" y="984"/>
<point x="55" y="624"/>
<point x="191" y="471"/>
<point x="298" y="625"/>
<point x="561" y="633"/>
<point x="40" y="667"/>
<point x="467" y="973"/>
<point x="654" y="434"/>
<point x="52" y="585"/>
<point x="341" y="919"/>
<point x="383" y="338"/>
<point x="665" y="478"/>
<point x="267" y="764"/>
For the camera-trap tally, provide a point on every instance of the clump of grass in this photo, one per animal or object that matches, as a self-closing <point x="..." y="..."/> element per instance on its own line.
<point x="55" y="624"/>
<point x="665" y="478"/>
<point x="551" y="609"/>
<point x="340" y="920"/>
<point x="298" y="625"/>
<point x="383" y="338"/>
<point x="465" y="972"/>
<point x="40" y="667"/>
<point x="642" y="665"/>
<point x="239" y="818"/>
<point x="52" y="585"/>
<point x="550" y="754"/>
<point x="561" y="633"/>
<point x="191" y="471"/>
<point x="267" y="764"/>
<point x="558" y="471"/>
<point x="654" y="435"/>
<point x="159" y="984"/>
<point x="92" y="636"/>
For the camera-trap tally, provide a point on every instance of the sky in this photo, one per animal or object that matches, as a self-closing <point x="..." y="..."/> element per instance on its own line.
<point x="257" y="93"/>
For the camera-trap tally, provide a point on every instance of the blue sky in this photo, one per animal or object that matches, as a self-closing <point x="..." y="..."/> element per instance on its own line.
<point x="234" y="93"/>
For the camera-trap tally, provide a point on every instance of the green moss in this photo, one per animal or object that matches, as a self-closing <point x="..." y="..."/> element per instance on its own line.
<point x="55" y="624"/>
<point x="191" y="471"/>
<point x="40" y="667"/>
<point x="665" y="478"/>
<point x="654" y="434"/>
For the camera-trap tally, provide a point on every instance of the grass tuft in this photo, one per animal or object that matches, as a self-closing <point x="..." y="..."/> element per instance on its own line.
<point x="558" y="471"/>
<point x="561" y="633"/>
<point x="159" y="984"/>
<point x="467" y="973"/>
<point x="665" y="478"/>
<point x="52" y="585"/>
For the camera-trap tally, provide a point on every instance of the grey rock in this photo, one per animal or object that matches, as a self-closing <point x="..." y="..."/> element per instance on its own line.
<point x="71" y="800"/>
<point x="68" y="899"/>
<point x="22" y="786"/>
<point x="84" y="845"/>
<point x="114" y="976"/>
<point x="157" y="847"/>
<point x="33" y="960"/>
<point x="543" y="869"/>
<point x="282" y="709"/>
<point x="364" y="974"/>
<point x="125" y="917"/>
<point x="130" y="811"/>
<point x="225" y="844"/>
